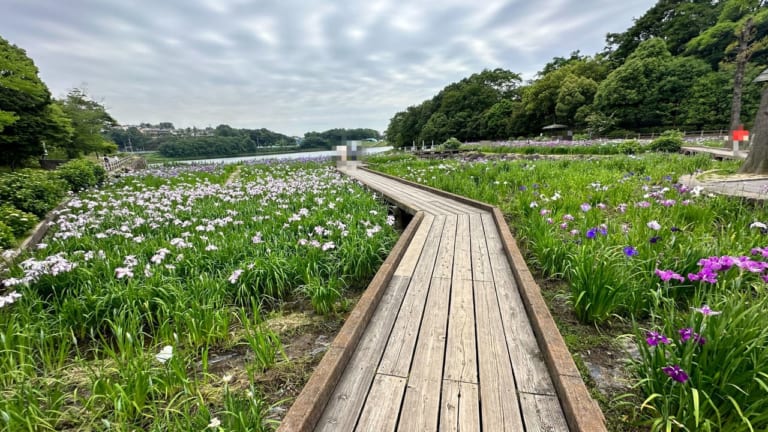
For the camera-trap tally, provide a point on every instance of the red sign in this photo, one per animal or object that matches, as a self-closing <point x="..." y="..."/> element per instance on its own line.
<point x="740" y="134"/>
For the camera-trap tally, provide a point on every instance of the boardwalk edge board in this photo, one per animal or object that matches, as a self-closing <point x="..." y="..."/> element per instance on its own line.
<point x="309" y="405"/>
<point x="581" y="411"/>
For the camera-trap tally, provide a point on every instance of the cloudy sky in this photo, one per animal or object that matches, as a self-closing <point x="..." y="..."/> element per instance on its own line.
<point x="291" y="65"/>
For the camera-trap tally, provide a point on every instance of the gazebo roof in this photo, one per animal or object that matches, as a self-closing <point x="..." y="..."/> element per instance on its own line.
<point x="554" y="126"/>
<point x="762" y="77"/>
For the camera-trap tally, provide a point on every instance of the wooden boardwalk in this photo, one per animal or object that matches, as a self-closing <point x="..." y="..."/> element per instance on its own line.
<point x="449" y="346"/>
<point x="716" y="153"/>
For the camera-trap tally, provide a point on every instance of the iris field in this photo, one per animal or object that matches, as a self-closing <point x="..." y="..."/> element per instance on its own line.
<point x="111" y="323"/>
<point x="687" y="270"/>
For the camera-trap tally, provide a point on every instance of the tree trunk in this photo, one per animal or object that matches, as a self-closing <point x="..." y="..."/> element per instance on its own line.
<point x="757" y="161"/>
<point x="738" y="81"/>
<point x="742" y="58"/>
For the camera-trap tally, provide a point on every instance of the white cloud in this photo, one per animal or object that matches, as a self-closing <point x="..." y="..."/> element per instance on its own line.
<point x="291" y="65"/>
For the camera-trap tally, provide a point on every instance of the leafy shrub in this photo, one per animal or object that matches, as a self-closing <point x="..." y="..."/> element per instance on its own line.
<point x="452" y="144"/>
<point x="81" y="174"/>
<point x="32" y="191"/>
<point x="6" y="236"/>
<point x="670" y="141"/>
<point x="630" y="147"/>
<point x="18" y="221"/>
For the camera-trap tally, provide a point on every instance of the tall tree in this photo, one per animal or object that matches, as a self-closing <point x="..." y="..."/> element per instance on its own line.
<point x="90" y="121"/>
<point x="648" y="90"/>
<point x="757" y="160"/>
<point x="24" y="102"/>
<point x="562" y="88"/>
<point x="675" y="21"/>
<point x="743" y="27"/>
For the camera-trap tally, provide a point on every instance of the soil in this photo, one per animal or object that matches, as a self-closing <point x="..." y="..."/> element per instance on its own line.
<point x="305" y="337"/>
<point x="602" y="355"/>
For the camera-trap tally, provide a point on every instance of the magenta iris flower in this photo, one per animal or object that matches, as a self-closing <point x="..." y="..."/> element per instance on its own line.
<point x="667" y="275"/>
<point x="653" y="338"/>
<point x="687" y="334"/>
<point x="676" y="373"/>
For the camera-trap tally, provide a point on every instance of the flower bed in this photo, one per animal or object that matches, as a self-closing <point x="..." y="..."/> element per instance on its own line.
<point x="115" y="318"/>
<point x="632" y="243"/>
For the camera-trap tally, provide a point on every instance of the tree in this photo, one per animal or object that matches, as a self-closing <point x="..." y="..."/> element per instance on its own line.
<point x="743" y="26"/>
<point x="709" y="101"/>
<point x="225" y="131"/>
<point x="649" y="89"/>
<point x="675" y="21"/>
<point x="436" y="129"/>
<point x="24" y="102"/>
<point x="757" y="160"/>
<point x="575" y="92"/>
<point x="498" y="119"/>
<point x="567" y="83"/>
<point x="90" y="121"/>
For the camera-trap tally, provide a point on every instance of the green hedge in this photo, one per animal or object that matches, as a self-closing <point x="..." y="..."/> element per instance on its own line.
<point x="18" y="221"/>
<point x="7" y="239"/>
<point x="32" y="191"/>
<point x="81" y="174"/>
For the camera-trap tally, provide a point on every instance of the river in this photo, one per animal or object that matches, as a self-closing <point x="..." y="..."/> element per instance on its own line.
<point x="313" y="154"/>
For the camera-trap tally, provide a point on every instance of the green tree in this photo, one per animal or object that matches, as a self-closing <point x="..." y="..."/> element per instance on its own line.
<point x="564" y="82"/>
<point x="743" y="27"/>
<point x="225" y="131"/>
<point x="575" y="92"/>
<point x="90" y="121"/>
<point x="24" y="102"/>
<point x="457" y="110"/>
<point x="675" y="21"/>
<point x="649" y="89"/>
<point x="436" y="129"/>
<point x="498" y="120"/>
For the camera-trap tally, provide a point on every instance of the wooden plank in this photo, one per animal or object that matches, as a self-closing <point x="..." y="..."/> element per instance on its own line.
<point x="454" y="206"/>
<point x="411" y="256"/>
<point x="500" y="410"/>
<point x="348" y="397"/>
<point x="531" y="373"/>
<point x="462" y="262"/>
<point x="542" y="413"/>
<point x="444" y="262"/>
<point x="383" y="404"/>
<point x="459" y="407"/>
<point x="481" y="264"/>
<point x="440" y="207"/>
<point x="461" y="350"/>
<point x="422" y="397"/>
<point x="399" y="351"/>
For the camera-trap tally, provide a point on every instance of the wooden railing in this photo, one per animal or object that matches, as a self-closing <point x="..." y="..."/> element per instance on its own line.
<point x="110" y="165"/>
